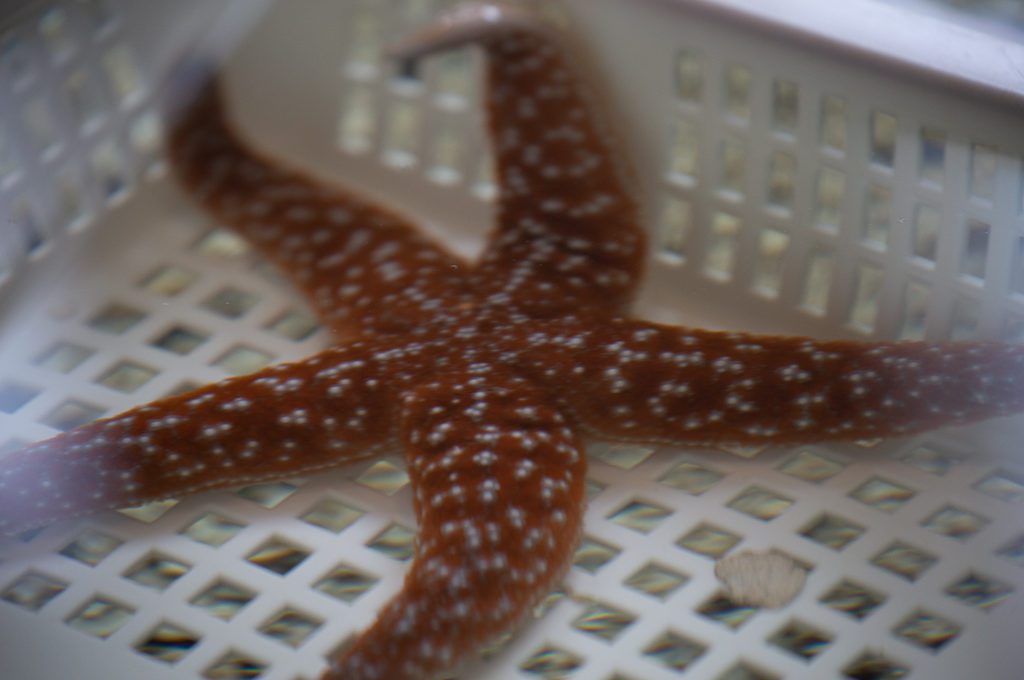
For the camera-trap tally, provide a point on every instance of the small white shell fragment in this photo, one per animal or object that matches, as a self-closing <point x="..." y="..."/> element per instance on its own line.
<point x="767" y="579"/>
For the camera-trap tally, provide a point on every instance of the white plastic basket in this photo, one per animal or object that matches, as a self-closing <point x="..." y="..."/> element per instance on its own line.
<point x="800" y="178"/>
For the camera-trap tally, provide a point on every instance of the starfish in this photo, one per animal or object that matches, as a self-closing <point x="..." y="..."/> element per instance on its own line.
<point x="488" y="374"/>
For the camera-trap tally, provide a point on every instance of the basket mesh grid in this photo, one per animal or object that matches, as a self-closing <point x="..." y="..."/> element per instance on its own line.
<point x="836" y="204"/>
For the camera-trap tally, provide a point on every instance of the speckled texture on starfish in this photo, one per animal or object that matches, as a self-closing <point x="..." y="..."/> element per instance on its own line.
<point x="487" y="373"/>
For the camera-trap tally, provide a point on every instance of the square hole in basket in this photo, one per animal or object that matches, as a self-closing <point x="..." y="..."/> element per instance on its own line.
<point x="927" y="630"/>
<point x="14" y="395"/>
<point x="979" y="591"/>
<point x="640" y="516"/>
<point x="760" y="503"/>
<point x="222" y="243"/>
<point x="100" y="617"/>
<point x="722" y="246"/>
<point x="801" y="639"/>
<point x="883" y="138"/>
<point x="332" y="515"/>
<point x="268" y="495"/>
<point x="930" y="459"/>
<point x="955" y="522"/>
<point x="692" y="478"/>
<point x="722" y="609"/>
<point x="984" y="170"/>
<point x="689" y="74"/>
<point x="150" y="512"/>
<point x="832" y="531"/>
<point x="871" y="666"/>
<point x="882" y="494"/>
<point x="833" y="124"/>
<point x="932" y="159"/>
<point x="551" y="662"/>
<point x="291" y="627"/>
<point x="33" y="590"/>
<point x="592" y="555"/>
<point x="168" y="281"/>
<point x="675" y="225"/>
<point x="157" y="571"/>
<point x="91" y="547"/>
<point x="656" y="580"/>
<point x="223" y="599"/>
<point x="674" y="651"/>
<point x="167" y="643"/>
<point x="772" y="246"/>
<point x="180" y="340"/>
<point x="603" y="621"/>
<point x="345" y="583"/>
<point x="116" y="319"/>
<point x="63" y="357"/>
<point x="708" y="540"/>
<point x="235" y="666"/>
<point x="904" y="560"/>
<point x="622" y="456"/>
<point x="853" y="599"/>
<point x="877" y="216"/>
<point x="213" y="529"/>
<point x="278" y="556"/>
<point x="230" y="302"/>
<point x="71" y="414"/>
<point x="294" y="325"/>
<point x="241" y="360"/>
<point x="384" y="477"/>
<point x="396" y="541"/>
<point x="811" y="466"/>
<point x="127" y="377"/>
<point x="1006" y="486"/>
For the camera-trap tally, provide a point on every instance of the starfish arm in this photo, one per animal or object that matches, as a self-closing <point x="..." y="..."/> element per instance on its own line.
<point x="634" y="380"/>
<point x="499" y="495"/>
<point x="282" y="421"/>
<point x="363" y="268"/>
<point x="568" y="234"/>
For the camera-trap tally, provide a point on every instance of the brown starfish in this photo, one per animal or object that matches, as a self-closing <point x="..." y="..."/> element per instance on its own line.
<point x="488" y="374"/>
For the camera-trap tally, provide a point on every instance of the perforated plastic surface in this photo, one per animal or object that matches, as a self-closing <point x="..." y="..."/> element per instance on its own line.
<point x="789" y="190"/>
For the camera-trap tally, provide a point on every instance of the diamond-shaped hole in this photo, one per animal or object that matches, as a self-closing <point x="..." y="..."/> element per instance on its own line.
<point x="235" y="666"/>
<point x="294" y="325"/>
<point x="882" y="494"/>
<point x="1003" y="485"/>
<point x="63" y="357"/>
<point x="332" y="515"/>
<point x="157" y="571"/>
<point x="1013" y="551"/>
<point x="746" y="451"/>
<point x="640" y="516"/>
<point x="603" y="621"/>
<point x="384" y="477"/>
<point x="345" y="583"/>
<point x="14" y="395"/>
<point x="760" y="503"/>
<point x="852" y="598"/>
<point x="692" y="478"/>
<point x="871" y="666"/>
<point x="622" y="456"/>
<point x="180" y="340"/>
<point x="222" y="243"/>
<point x="167" y="643"/>
<point x="213" y="529"/>
<point x="955" y="523"/>
<point x="268" y="495"/>
<point x="551" y="662"/>
<point x="722" y="609"/>
<point x="32" y="590"/>
<point x="127" y="377"/>
<point x="744" y="671"/>
<point x="709" y="541"/>
<point x="278" y="556"/>
<point x="674" y="651"/>
<point x="980" y="591"/>
<point x="150" y="512"/>
<point x="655" y="580"/>
<point x="930" y="460"/>
<point x="811" y="466"/>
<point x="100" y="617"/>
<point x="168" y="281"/>
<point x="291" y="627"/>
<point x="71" y="414"/>
<point x="396" y="542"/>
<point x="832" y="531"/>
<point x="592" y="554"/>
<point x="116" y="319"/>
<point x="801" y="639"/>
<point x="904" y="560"/>
<point x="241" y="360"/>
<point x="927" y="630"/>
<point x="91" y="547"/>
<point x="223" y="599"/>
<point x="230" y="303"/>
